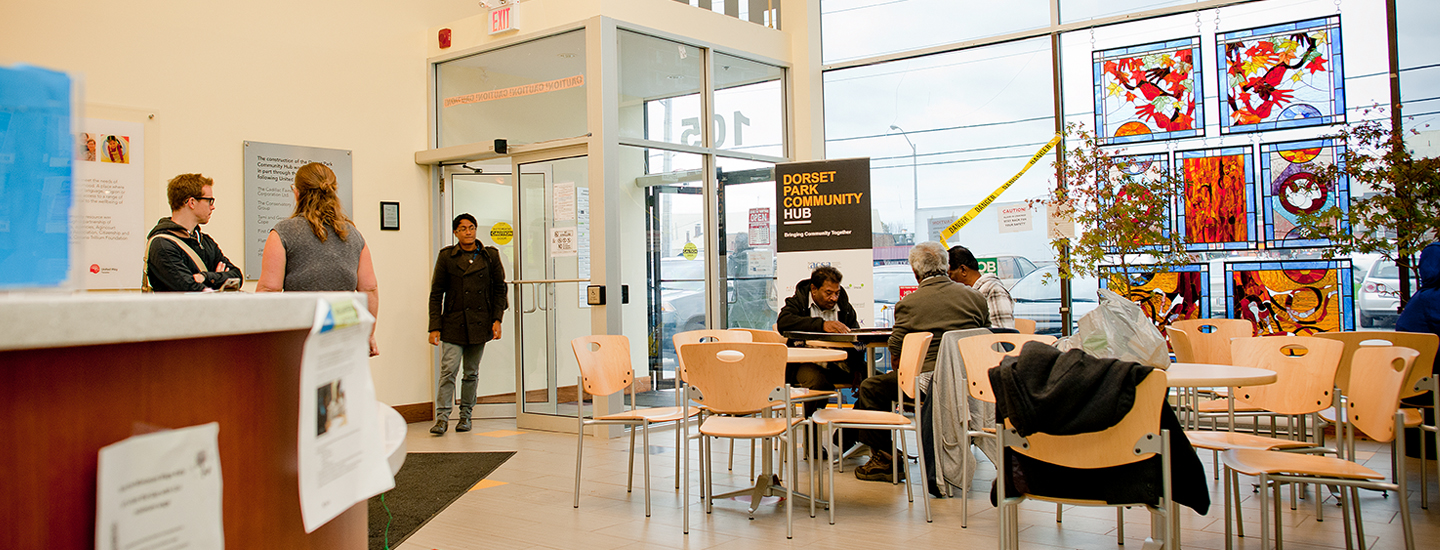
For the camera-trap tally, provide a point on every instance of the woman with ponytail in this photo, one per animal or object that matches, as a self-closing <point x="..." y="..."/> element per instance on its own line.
<point x="317" y="248"/>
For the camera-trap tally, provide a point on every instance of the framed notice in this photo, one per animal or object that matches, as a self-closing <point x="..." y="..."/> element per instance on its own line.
<point x="389" y="216"/>
<point x="269" y="172"/>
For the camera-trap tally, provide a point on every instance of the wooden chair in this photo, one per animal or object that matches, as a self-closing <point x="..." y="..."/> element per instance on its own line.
<point x="1421" y="380"/>
<point x="980" y="354"/>
<point x="912" y="358"/>
<point x="761" y="335"/>
<point x="1136" y="437"/>
<point x="1210" y="338"/>
<point x="1025" y="326"/>
<point x="1377" y="377"/>
<point x="605" y="370"/>
<point x="1180" y="344"/>
<point x="733" y="379"/>
<point x="706" y="335"/>
<point x="1304" y="385"/>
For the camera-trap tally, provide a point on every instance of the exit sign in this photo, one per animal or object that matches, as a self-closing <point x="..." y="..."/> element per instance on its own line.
<point x="502" y="19"/>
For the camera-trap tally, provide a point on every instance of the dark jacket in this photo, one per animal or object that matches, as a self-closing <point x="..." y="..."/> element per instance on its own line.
<point x="170" y="268"/>
<point x="1073" y="393"/>
<point x="467" y="294"/>
<point x="938" y="306"/>
<point x="795" y="316"/>
<point x="1422" y="312"/>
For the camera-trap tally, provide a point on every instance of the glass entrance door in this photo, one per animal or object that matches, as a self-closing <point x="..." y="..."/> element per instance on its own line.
<point x="490" y="198"/>
<point x="548" y="296"/>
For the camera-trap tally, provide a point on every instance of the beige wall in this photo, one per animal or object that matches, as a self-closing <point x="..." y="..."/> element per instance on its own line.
<point x="345" y="75"/>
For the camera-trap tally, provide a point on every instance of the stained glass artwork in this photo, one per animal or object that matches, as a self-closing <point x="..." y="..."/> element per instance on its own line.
<point x="1281" y="76"/>
<point x="1291" y="297"/>
<point x="1150" y="168"/>
<point x="1174" y="294"/>
<point x="1149" y="92"/>
<point x="1289" y="187"/>
<point x="1216" y="207"/>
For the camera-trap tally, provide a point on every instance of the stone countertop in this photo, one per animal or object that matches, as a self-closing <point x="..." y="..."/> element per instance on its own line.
<point x="53" y="320"/>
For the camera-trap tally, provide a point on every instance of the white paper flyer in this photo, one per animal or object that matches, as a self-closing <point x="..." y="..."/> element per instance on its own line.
<point x="342" y="449"/>
<point x="161" y="490"/>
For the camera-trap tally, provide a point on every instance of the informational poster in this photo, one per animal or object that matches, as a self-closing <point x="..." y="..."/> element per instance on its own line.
<point x="269" y="173"/>
<point x="35" y="175"/>
<point x="161" y="490"/>
<point x="110" y="189"/>
<point x="1014" y="217"/>
<point x="759" y="227"/>
<point x="825" y="221"/>
<point x="342" y="449"/>
<point x="564" y="203"/>
<point x="582" y="237"/>
<point x="562" y="242"/>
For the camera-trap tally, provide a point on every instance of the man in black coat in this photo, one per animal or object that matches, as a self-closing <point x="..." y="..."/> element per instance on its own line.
<point x="821" y="305"/>
<point x="467" y="299"/>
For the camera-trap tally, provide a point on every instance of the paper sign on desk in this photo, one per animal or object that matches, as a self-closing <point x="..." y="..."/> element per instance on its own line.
<point x="342" y="449"/>
<point x="161" y="490"/>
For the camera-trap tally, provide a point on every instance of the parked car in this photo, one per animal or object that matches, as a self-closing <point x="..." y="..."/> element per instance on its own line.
<point x="1037" y="297"/>
<point x="1010" y="268"/>
<point x="682" y="300"/>
<point x="1378" y="297"/>
<point x="887" y="280"/>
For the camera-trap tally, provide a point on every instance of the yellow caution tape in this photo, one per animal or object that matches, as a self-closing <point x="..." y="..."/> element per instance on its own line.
<point x="954" y="227"/>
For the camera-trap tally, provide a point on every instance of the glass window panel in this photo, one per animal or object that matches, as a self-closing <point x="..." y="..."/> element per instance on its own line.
<point x="854" y="29"/>
<point x="1420" y="73"/>
<point x="951" y="128"/>
<point x="659" y="89"/>
<point x="749" y="106"/>
<point x="528" y="92"/>
<point x="749" y="216"/>
<point x="1080" y="10"/>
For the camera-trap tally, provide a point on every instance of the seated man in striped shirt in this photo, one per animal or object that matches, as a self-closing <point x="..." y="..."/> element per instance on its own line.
<point x="965" y="269"/>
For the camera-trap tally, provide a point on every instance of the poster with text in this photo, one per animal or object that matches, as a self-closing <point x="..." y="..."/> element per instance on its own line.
<point x="110" y="191"/>
<point x="824" y="205"/>
<point x="269" y="173"/>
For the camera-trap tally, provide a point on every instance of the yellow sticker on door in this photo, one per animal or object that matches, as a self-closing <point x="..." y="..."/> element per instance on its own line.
<point x="501" y="233"/>
<point x="689" y="251"/>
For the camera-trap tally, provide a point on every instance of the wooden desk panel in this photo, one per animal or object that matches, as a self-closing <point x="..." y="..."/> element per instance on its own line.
<point x="59" y="406"/>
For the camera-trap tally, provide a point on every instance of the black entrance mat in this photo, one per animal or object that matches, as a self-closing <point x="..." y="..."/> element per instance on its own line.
<point x="425" y="485"/>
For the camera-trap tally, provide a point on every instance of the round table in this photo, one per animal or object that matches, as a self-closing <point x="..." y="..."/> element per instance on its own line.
<point x="814" y="355"/>
<point x="1206" y="375"/>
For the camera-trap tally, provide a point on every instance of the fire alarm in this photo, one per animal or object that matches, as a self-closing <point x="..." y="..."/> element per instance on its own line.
<point x="444" y="38"/>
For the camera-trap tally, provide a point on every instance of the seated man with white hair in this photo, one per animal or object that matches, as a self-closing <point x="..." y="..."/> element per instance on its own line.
<point x="940" y="305"/>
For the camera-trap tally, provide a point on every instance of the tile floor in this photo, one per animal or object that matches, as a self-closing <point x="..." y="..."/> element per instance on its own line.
<point x="526" y="503"/>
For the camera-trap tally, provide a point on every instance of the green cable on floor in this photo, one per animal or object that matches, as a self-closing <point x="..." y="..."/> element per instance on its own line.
<point x="388" y="519"/>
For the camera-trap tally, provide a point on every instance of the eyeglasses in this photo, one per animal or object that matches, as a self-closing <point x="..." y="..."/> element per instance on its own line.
<point x="211" y="200"/>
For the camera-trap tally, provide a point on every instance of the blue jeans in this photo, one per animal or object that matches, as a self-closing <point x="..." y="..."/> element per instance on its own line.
<point x="452" y="356"/>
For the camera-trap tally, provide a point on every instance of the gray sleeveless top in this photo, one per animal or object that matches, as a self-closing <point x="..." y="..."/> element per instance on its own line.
<point x="313" y="265"/>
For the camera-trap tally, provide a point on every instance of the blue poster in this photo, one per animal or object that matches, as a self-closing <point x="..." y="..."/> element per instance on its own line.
<point x="35" y="162"/>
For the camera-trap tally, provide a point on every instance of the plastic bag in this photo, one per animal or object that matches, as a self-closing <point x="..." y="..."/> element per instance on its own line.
<point x="1118" y="329"/>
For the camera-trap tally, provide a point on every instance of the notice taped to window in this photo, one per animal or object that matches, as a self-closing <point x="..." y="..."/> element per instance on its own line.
<point x="824" y="205"/>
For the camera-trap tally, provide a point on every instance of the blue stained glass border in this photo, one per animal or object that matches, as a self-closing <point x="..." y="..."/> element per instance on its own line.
<point x="1337" y="75"/>
<point x="1098" y="62"/>
<point x="1251" y="225"/>
<point x="1342" y="191"/>
<point x="1347" y="283"/>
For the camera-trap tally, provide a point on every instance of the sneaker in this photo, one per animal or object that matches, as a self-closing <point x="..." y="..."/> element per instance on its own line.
<point x="440" y="425"/>
<point x="463" y="425"/>
<point x="879" y="468"/>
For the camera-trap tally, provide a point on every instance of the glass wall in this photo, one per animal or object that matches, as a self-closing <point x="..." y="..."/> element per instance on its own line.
<point x="525" y="93"/>
<point x="1237" y="100"/>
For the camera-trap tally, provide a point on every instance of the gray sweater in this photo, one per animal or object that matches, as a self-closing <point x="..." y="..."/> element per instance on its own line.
<point x="312" y="265"/>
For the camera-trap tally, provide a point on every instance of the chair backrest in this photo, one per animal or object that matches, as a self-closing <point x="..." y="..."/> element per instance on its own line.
<point x="1210" y="338"/>
<point x="1180" y="344"/>
<point x="912" y="358"/>
<point x="1304" y="372"/>
<point x="734" y="377"/>
<point x="703" y="335"/>
<point x="1378" y="377"/>
<point x="1112" y="446"/>
<point x="980" y="355"/>
<point x="1025" y="326"/>
<point x="606" y="368"/>
<point x="760" y="335"/>
<point x="1423" y="342"/>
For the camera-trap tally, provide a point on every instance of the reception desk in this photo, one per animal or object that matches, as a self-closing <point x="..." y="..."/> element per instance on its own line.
<point x="79" y="372"/>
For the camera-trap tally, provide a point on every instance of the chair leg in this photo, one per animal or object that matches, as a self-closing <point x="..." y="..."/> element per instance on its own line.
<point x="924" y="479"/>
<point x="1345" y="504"/>
<point x="1279" y="525"/>
<point x="1120" y="526"/>
<point x="1059" y="512"/>
<point x="677" y="450"/>
<point x="1264" y="511"/>
<point x="790" y="445"/>
<point x="830" y="442"/>
<point x="1235" y="492"/>
<point x="731" y="466"/>
<point x="646" y="458"/>
<point x="685" y="459"/>
<point x="579" y="454"/>
<point x="813" y="432"/>
<point x="630" y="475"/>
<point x="1229" y="544"/>
<point x="1360" y="520"/>
<point x="903" y="458"/>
